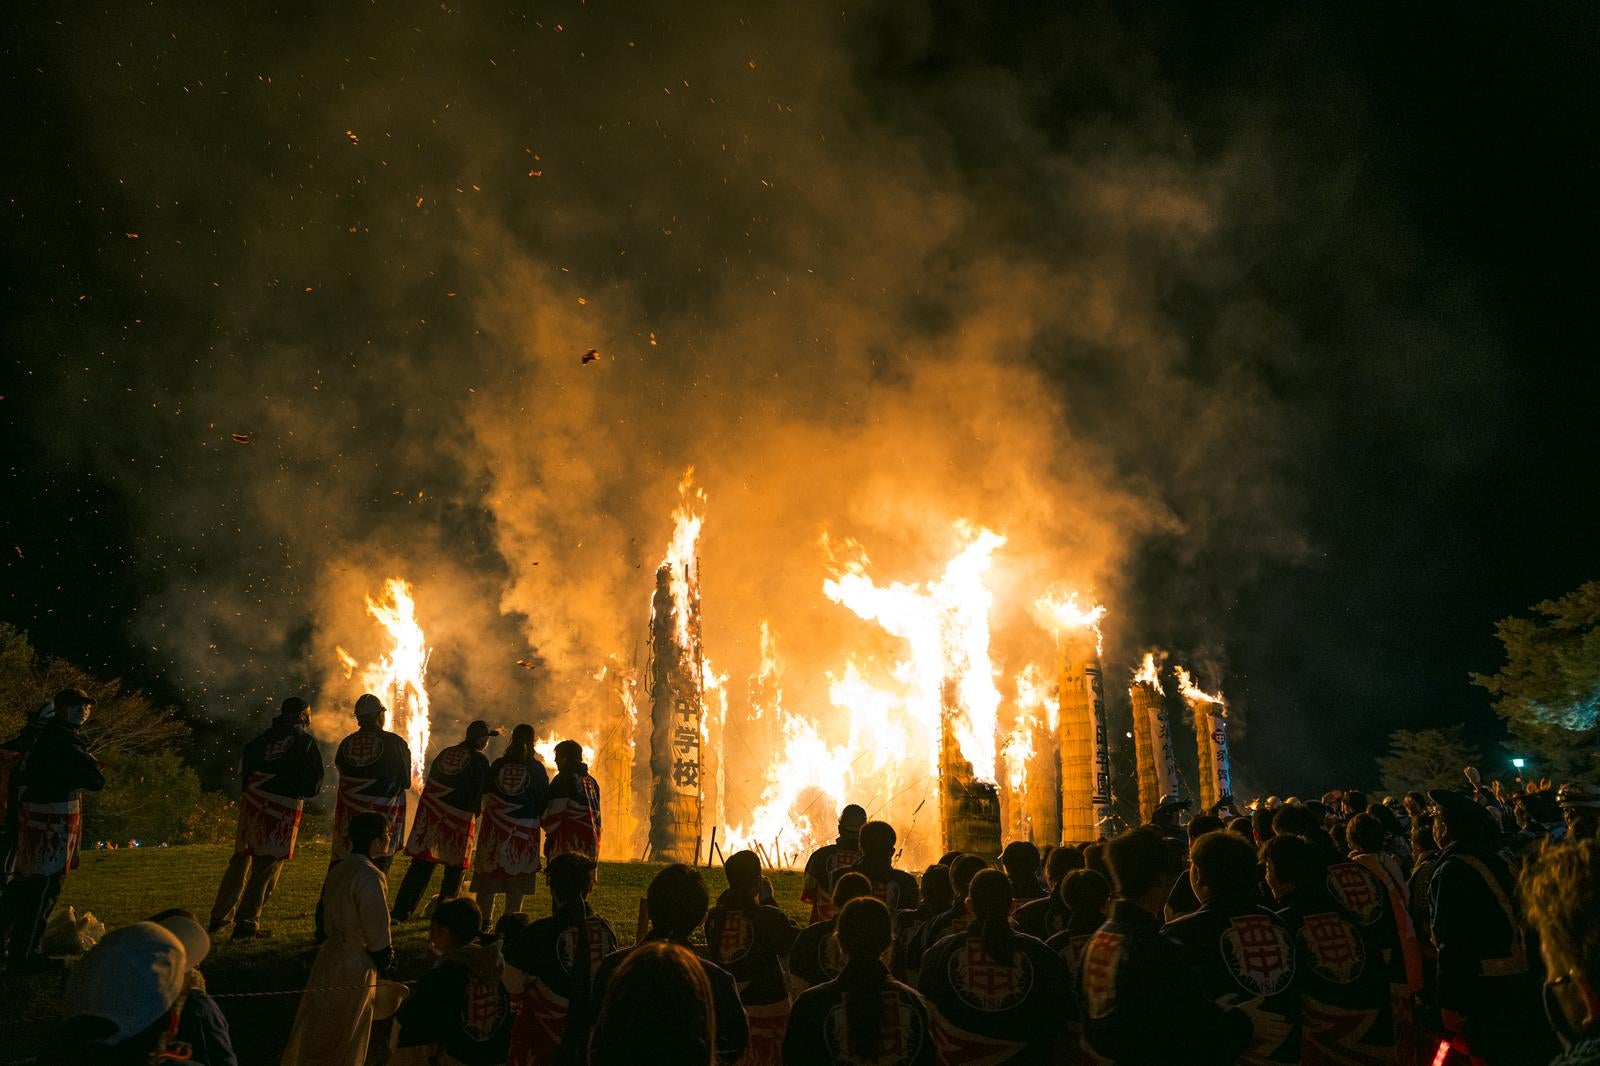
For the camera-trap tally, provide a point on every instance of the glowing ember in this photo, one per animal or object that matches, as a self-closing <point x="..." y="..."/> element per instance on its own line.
<point x="399" y="678"/>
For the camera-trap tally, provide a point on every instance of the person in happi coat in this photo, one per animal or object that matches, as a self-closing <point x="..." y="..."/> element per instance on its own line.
<point x="279" y="770"/>
<point x="1086" y="894"/>
<point x="824" y="864"/>
<point x="935" y="896"/>
<point x="559" y="957"/>
<point x="572" y="813"/>
<point x="1345" y="1008"/>
<point x="896" y="889"/>
<point x="459" y="1012"/>
<point x="676" y="902"/>
<point x="1239" y="950"/>
<point x="1021" y="861"/>
<point x="508" y="845"/>
<point x="864" y="1015"/>
<point x="997" y="995"/>
<point x="1488" y="986"/>
<point x="447" y="819"/>
<point x="814" y="956"/>
<point x="11" y="752"/>
<point x="50" y="780"/>
<point x="334" y="1020"/>
<point x="750" y="940"/>
<point x="660" y="1009"/>
<point x="955" y="918"/>
<point x="374" y="775"/>
<point x="1138" y="1001"/>
<point x="1047" y="916"/>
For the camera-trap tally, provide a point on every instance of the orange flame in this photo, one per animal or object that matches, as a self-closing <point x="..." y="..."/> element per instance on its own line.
<point x="545" y="746"/>
<point x="1149" y="673"/>
<point x="682" y="558"/>
<point x="1061" y="613"/>
<point x="1193" y="692"/>
<point x="400" y="677"/>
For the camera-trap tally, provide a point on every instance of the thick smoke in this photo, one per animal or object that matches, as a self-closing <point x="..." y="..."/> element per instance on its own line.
<point x="866" y="281"/>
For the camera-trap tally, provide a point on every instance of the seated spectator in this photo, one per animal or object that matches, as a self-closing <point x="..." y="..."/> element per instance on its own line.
<point x="1046" y="917"/>
<point x="1020" y="860"/>
<point x="659" y="1008"/>
<point x="864" y="1015"/>
<point x="750" y="939"/>
<point x="1085" y="894"/>
<point x="124" y="999"/>
<point x="936" y="896"/>
<point x="676" y="902"/>
<point x="201" y="1025"/>
<point x="557" y="958"/>
<point x="996" y="994"/>
<point x="459" y="1010"/>
<point x="815" y="956"/>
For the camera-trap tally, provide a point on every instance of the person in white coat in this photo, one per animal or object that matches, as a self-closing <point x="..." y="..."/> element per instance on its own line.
<point x="334" y="1020"/>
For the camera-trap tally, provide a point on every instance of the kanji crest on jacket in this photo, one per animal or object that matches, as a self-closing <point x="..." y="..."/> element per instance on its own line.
<point x="268" y="824"/>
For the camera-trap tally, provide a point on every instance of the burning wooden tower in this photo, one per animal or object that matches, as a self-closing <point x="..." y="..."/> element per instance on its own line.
<point x="1085" y="749"/>
<point x="677" y="693"/>
<point x="614" y="761"/>
<point x="1152" y="739"/>
<point x="1210" y="740"/>
<point x="969" y="808"/>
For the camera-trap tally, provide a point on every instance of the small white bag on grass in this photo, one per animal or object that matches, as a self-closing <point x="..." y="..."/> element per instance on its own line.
<point x="68" y="933"/>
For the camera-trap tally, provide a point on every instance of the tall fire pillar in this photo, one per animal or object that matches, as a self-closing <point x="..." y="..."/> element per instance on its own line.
<point x="1211" y="742"/>
<point x="969" y="809"/>
<point x="1085" y="750"/>
<point x="614" y="763"/>
<point x="677" y="708"/>
<point x="1152" y="744"/>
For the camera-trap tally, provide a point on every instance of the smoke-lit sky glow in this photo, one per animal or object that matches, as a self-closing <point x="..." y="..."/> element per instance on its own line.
<point x="1268" y="333"/>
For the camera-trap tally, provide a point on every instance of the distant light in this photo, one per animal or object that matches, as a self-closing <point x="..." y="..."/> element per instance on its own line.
<point x="1519" y="763"/>
<point x="1130" y="736"/>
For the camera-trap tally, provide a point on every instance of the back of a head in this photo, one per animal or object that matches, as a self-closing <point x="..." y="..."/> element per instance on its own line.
<point x="990" y="896"/>
<point x="1020" y="859"/>
<point x="658" y="1009"/>
<point x="1094" y="858"/>
<point x="850" y="886"/>
<point x="1201" y="824"/>
<point x="1355" y="800"/>
<point x="461" y="917"/>
<point x="1085" y="892"/>
<point x="851" y="819"/>
<point x="1242" y="828"/>
<point x="864" y="928"/>
<point x="1386" y="817"/>
<point x="1227" y="864"/>
<point x="1296" y="819"/>
<point x="877" y="840"/>
<point x="568" y="753"/>
<point x="1062" y="861"/>
<point x="963" y="870"/>
<point x="743" y="871"/>
<point x="1261" y="824"/>
<point x="1140" y="862"/>
<point x="364" y="828"/>
<point x="571" y="876"/>
<point x="1365" y="833"/>
<point x="677" y="900"/>
<point x="1560" y="890"/>
<point x="1293" y="861"/>
<point x="937" y="891"/>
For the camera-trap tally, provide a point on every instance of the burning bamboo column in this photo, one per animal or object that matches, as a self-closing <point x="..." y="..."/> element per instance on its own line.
<point x="1152" y="739"/>
<point x="677" y="710"/>
<point x="614" y="760"/>
<point x="1085" y="751"/>
<point x="969" y="809"/>
<point x="1210" y="739"/>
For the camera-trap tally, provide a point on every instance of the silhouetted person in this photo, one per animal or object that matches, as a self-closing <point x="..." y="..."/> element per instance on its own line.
<point x="824" y="864"/>
<point x="750" y="940"/>
<point x="572" y="814"/>
<point x="659" y="1009"/>
<point x="447" y="819"/>
<point x="51" y="778"/>
<point x="508" y="848"/>
<point x="279" y="770"/>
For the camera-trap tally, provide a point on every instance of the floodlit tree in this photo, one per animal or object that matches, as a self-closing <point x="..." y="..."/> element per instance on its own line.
<point x="1548" y="691"/>
<point x="1424" y="759"/>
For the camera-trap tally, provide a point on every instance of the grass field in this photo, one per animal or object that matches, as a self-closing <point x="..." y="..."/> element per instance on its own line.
<point x="126" y="885"/>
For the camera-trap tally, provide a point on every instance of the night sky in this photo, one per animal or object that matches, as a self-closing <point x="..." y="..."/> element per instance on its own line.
<point x="1304" y="298"/>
